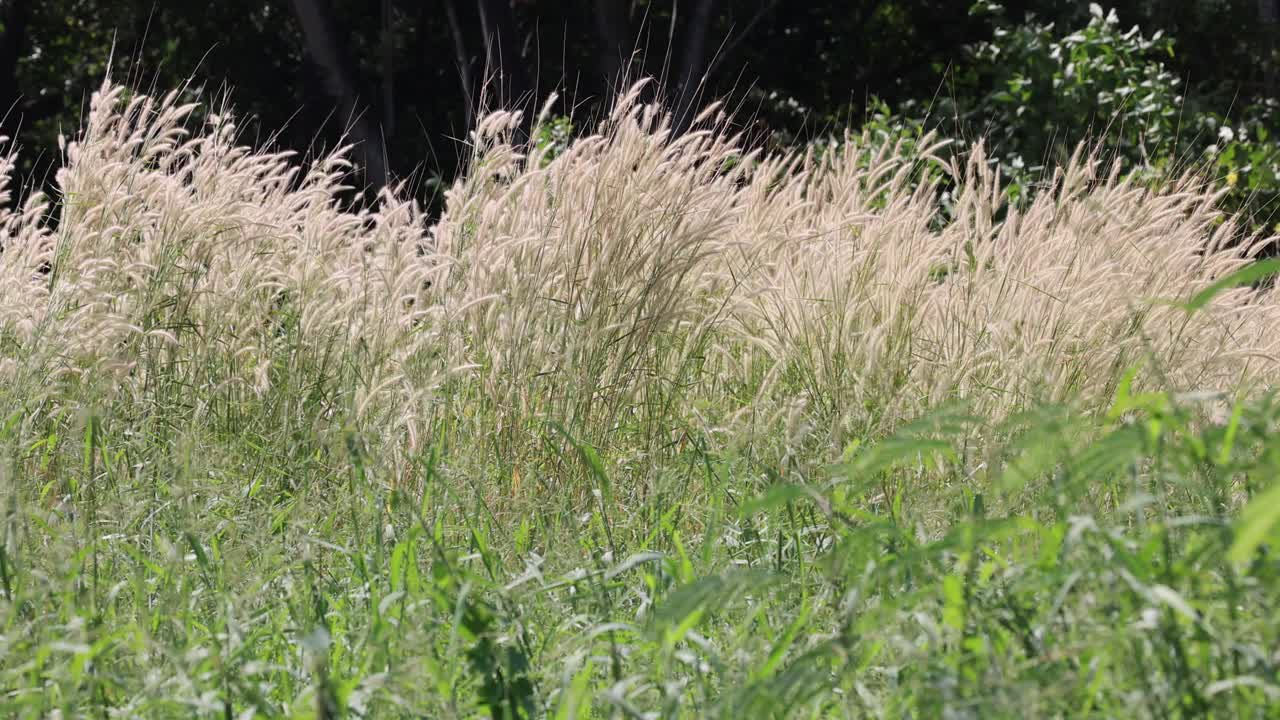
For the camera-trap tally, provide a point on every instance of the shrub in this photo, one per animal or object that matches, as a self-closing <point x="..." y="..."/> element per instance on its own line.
<point x="1035" y="92"/>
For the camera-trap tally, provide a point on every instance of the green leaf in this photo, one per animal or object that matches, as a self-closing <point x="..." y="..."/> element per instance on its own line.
<point x="576" y="703"/>
<point x="953" y="610"/>
<point x="784" y="643"/>
<point x="709" y="594"/>
<point x="777" y="496"/>
<point x="591" y="458"/>
<point x="1244" y="276"/>
<point x="1259" y="518"/>
<point x="1229" y="439"/>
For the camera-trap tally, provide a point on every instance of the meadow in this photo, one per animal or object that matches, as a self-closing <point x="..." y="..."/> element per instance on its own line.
<point x="648" y="425"/>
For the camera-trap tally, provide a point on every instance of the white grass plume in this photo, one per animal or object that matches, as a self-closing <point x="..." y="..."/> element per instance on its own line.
<point x="636" y="282"/>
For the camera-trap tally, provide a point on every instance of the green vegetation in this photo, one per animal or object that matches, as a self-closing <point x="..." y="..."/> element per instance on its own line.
<point x="1036" y="90"/>
<point x="644" y="426"/>
<point x="1052" y="87"/>
<point x="1082" y="568"/>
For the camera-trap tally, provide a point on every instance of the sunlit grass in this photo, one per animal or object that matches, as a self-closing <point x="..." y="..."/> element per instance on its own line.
<point x="655" y="427"/>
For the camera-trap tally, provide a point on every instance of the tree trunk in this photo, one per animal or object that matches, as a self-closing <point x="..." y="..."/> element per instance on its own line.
<point x="613" y="27"/>
<point x="693" y="62"/>
<point x="731" y="46"/>
<point x="504" y="69"/>
<point x="329" y="57"/>
<point x="388" y="72"/>
<point x="463" y="59"/>
<point x="15" y="15"/>
<point x="1269" y="17"/>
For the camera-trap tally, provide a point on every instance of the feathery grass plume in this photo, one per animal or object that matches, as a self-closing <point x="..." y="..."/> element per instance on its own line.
<point x="220" y="267"/>
<point x="634" y="284"/>
<point x="587" y="283"/>
<point x="1059" y="300"/>
<point x="637" y="261"/>
<point x="26" y="253"/>
<point x="874" y="314"/>
<point x="840" y="260"/>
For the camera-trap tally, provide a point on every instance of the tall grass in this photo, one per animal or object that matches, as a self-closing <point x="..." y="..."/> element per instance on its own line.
<point x="633" y="275"/>
<point x="632" y="427"/>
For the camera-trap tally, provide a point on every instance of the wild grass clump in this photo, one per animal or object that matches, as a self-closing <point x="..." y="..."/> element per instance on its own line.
<point x="824" y="288"/>
<point x="615" y="287"/>
<point x="657" y="425"/>
<point x="194" y="263"/>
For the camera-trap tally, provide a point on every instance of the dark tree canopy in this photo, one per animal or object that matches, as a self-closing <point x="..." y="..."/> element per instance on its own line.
<point x="404" y="78"/>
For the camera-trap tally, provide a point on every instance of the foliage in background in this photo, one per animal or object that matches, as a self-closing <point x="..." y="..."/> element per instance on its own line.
<point x="1035" y="91"/>
<point x="411" y="69"/>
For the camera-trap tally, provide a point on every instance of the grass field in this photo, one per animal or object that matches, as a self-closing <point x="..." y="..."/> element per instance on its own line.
<point x="648" y="426"/>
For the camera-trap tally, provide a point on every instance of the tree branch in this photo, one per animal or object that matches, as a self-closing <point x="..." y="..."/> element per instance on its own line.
<point x="734" y="44"/>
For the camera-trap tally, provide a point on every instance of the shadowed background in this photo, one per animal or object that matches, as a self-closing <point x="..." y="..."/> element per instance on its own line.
<point x="405" y="77"/>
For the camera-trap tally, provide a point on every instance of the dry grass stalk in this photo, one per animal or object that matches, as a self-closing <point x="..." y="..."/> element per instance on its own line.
<point x="630" y="285"/>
